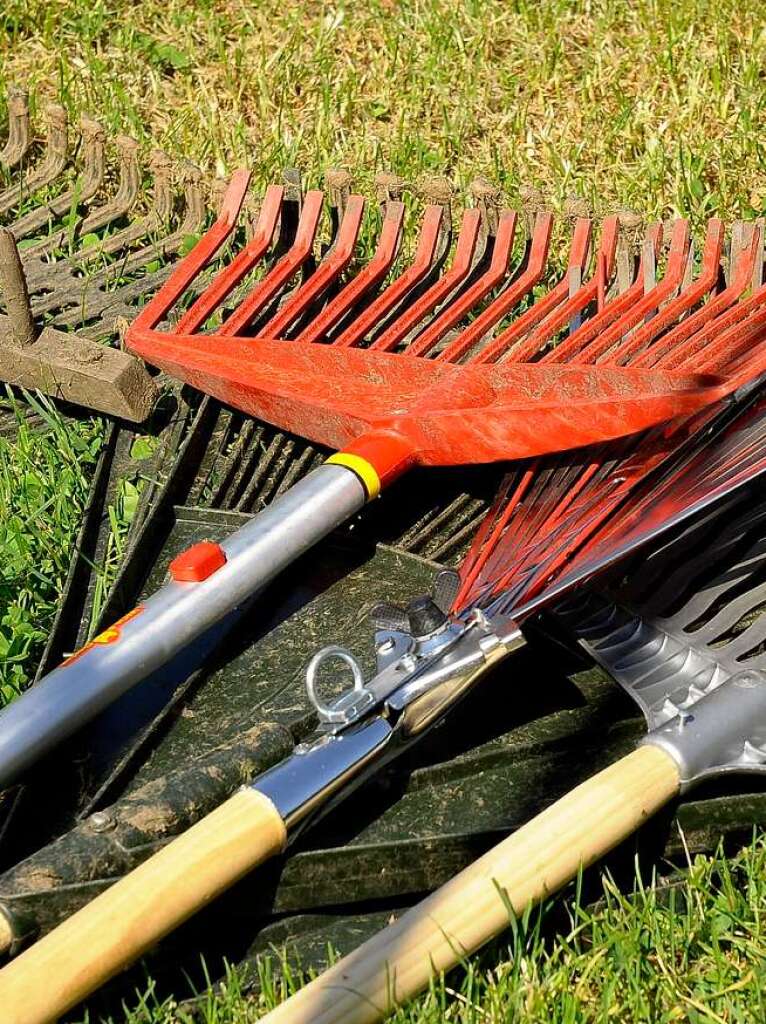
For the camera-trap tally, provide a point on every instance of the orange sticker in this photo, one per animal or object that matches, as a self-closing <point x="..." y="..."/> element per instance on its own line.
<point x="110" y="636"/>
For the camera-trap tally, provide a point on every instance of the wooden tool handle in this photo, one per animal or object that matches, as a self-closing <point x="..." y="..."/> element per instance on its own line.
<point x="457" y="919"/>
<point x="121" y="923"/>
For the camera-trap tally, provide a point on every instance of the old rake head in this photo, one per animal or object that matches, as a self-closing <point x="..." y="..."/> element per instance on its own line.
<point x="383" y="373"/>
<point x="84" y="260"/>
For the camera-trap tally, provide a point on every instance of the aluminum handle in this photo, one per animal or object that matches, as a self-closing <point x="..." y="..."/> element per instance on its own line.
<point x="174" y="616"/>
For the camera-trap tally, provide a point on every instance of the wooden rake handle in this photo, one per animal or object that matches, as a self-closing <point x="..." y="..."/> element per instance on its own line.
<point x="120" y="924"/>
<point x="468" y="911"/>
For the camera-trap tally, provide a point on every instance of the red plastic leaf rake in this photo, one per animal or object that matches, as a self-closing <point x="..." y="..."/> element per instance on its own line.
<point x="555" y="521"/>
<point x="389" y="410"/>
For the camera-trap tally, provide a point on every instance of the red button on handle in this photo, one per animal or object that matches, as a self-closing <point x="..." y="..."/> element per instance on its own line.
<point x="197" y="562"/>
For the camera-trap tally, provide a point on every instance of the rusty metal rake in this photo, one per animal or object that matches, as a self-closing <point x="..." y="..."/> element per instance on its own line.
<point x="78" y="289"/>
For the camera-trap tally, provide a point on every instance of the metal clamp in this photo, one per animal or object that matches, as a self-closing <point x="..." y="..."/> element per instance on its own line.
<point x="349" y="705"/>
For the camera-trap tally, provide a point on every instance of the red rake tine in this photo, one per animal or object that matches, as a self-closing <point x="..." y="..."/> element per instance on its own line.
<point x="191" y="266"/>
<point x="573" y="306"/>
<point x="284" y="270"/>
<point x="532" y="570"/>
<point x="575" y="347"/>
<point x="671" y="350"/>
<point x="454" y="312"/>
<point x="703" y="340"/>
<point x="243" y="263"/>
<point x="365" y="280"/>
<point x="421" y="307"/>
<point x="648" y="304"/>
<point x="481" y="561"/>
<point x="509" y="298"/>
<point x="545" y="306"/>
<point x="422" y="264"/>
<point x="642" y="337"/>
<point x="332" y="266"/>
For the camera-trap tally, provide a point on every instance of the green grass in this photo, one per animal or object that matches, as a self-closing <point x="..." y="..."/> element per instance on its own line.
<point x="44" y="477"/>
<point x="659" y="105"/>
<point x="692" y="951"/>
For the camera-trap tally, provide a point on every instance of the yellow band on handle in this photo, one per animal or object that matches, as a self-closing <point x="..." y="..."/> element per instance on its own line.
<point x="363" y="469"/>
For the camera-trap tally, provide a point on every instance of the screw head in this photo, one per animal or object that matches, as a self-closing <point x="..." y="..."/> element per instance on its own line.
<point x="101" y="821"/>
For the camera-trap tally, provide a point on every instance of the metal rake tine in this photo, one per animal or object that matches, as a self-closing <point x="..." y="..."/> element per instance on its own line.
<point x="53" y="161"/>
<point x="543" y="307"/>
<point x="87" y="185"/>
<point x="327" y="273"/>
<point x="423" y="263"/>
<point x="462" y="262"/>
<point x="40" y="273"/>
<point x="128" y="186"/>
<point x="513" y="489"/>
<point x="19" y="140"/>
<point x="576" y="348"/>
<point x="284" y="269"/>
<point x="558" y="547"/>
<point x="371" y="274"/>
<point x="71" y="289"/>
<point x="572" y="307"/>
<point x="586" y="503"/>
<point x="504" y="526"/>
<point x="453" y="312"/>
<point x="641" y="339"/>
<point x="733" y="249"/>
<point x="158" y="217"/>
<point x="229" y="277"/>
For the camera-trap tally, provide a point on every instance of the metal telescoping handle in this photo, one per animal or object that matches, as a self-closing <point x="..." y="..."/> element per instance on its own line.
<point x="173" y="617"/>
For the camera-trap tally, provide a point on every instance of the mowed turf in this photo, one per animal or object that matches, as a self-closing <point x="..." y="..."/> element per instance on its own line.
<point x="657" y="106"/>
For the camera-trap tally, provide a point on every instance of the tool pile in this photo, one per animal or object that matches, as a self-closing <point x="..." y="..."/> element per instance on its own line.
<point x="549" y="448"/>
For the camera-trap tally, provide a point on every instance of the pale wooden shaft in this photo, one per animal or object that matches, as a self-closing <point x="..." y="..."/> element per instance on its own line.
<point x="6" y="934"/>
<point x="121" y="923"/>
<point x="468" y="911"/>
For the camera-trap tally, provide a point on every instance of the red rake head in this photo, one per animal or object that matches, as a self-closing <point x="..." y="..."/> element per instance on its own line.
<point x="387" y="377"/>
<point x="558" y="525"/>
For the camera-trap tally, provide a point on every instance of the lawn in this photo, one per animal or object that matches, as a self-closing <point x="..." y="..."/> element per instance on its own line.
<point x="657" y="105"/>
